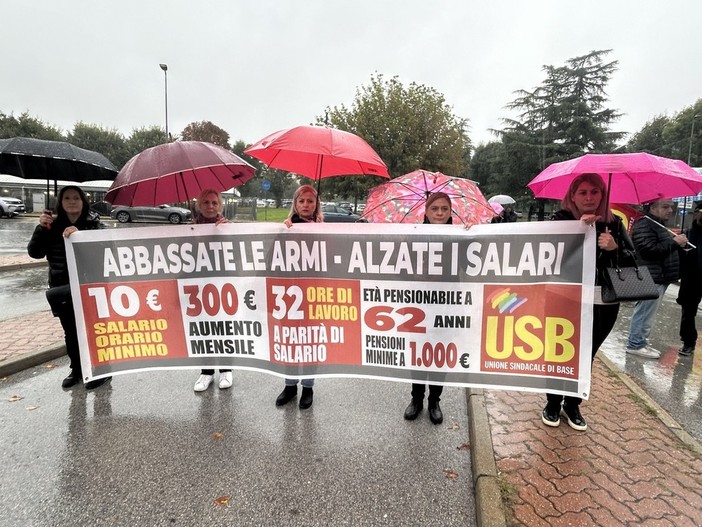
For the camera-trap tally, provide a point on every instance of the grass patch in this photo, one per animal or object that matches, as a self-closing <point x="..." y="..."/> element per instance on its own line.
<point x="508" y="493"/>
<point x="266" y="215"/>
<point x="638" y="400"/>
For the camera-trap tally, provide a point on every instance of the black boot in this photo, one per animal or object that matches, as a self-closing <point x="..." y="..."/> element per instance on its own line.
<point x="287" y="395"/>
<point x="435" y="414"/>
<point x="71" y="379"/>
<point x="412" y="411"/>
<point x="306" y="397"/>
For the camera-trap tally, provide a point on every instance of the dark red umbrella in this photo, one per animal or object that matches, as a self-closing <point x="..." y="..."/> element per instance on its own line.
<point x="317" y="152"/>
<point x="177" y="172"/>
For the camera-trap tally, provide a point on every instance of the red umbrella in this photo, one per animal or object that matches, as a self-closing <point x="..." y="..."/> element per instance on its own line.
<point x="177" y="172"/>
<point x="317" y="152"/>
<point x="403" y="199"/>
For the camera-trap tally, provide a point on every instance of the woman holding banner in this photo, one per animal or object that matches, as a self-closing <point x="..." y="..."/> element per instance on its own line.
<point x="586" y="201"/>
<point x="209" y="204"/>
<point x="72" y="214"/>
<point x="437" y="211"/>
<point x="305" y="208"/>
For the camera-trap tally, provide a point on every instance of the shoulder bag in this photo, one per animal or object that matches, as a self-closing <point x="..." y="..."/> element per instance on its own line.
<point x="628" y="284"/>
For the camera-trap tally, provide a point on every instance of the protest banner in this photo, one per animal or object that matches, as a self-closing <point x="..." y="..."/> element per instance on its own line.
<point x="498" y="306"/>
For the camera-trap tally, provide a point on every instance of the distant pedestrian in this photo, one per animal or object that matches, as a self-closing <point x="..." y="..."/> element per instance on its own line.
<point x="585" y="201"/>
<point x="508" y="214"/>
<point x="209" y="205"/>
<point x="690" y="292"/>
<point x="659" y="250"/>
<point x="437" y="212"/>
<point x="305" y="208"/>
<point x="72" y="214"/>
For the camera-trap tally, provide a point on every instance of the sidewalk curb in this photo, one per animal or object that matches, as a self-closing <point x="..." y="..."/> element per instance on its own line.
<point x="660" y="413"/>
<point x="488" y="498"/>
<point x="30" y="360"/>
<point x="15" y="267"/>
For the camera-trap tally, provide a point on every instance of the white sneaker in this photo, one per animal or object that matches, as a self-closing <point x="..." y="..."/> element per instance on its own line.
<point x="203" y="382"/>
<point x="225" y="380"/>
<point x="645" y="352"/>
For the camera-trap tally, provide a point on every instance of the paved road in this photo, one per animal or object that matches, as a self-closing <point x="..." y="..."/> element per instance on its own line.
<point x="147" y="450"/>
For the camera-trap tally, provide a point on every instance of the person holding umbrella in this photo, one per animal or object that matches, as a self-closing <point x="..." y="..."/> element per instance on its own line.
<point x="659" y="250"/>
<point x="209" y="204"/>
<point x="72" y="214"/>
<point x="585" y="201"/>
<point x="437" y="211"/>
<point x="305" y="208"/>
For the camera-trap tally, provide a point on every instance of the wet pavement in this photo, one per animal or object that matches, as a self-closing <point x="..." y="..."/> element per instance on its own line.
<point x="146" y="450"/>
<point x="672" y="381"/>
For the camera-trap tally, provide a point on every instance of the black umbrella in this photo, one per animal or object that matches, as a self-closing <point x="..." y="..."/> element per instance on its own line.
<point x="30" y="158"/>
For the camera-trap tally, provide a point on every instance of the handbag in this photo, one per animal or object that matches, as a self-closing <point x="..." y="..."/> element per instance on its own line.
<point x="625" y="284"/>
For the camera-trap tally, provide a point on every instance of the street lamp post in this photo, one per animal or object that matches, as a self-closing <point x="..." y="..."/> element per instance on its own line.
<point x="164" y="67"/>
<point x="689" y="158"/>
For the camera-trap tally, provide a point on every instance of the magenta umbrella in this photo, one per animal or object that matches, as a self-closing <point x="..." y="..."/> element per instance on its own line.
<point x="631" y="178"/>
<point x="177" y="172"/>
<point x="403" y="199"/>
<point x="317" y="152"/>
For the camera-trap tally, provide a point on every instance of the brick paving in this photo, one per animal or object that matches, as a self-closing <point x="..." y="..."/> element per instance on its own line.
<point x="24" y="335"/>
<point x="627" y="469"/>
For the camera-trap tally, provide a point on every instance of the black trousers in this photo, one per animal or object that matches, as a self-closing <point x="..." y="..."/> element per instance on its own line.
<point x="70" y="336"/>
<point x="211" y="372"/>
<point x="689" y="299"/>
<point x="604" y="316"/>
<point x="434" y="392"/>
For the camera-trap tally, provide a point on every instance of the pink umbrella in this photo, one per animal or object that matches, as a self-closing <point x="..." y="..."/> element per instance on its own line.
<point x="177" y="172"/>
<point x="317" y="152"/>
<point x="403" y="199"/>
<point x="631" y="178"/>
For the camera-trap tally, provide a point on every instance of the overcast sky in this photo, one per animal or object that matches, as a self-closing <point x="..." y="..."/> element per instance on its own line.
<point x="255" y="66"/>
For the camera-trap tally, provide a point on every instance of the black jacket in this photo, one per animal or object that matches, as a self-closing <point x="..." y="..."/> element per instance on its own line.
<point x="656" y="249"/>
<point x="623" y="256"/>
<point x="50" y="243"/>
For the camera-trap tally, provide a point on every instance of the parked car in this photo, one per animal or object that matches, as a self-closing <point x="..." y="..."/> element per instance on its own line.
<point x="11" y="207"/>
<point x="162" y="213"/>
<point x="103" y="208"/>
<point x="336" y="214"/>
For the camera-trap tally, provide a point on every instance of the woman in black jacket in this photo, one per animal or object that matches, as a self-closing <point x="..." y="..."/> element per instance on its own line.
<point x="305" y="208"/>
<point x="72" y="214"/>
<point x="437" y="211"/>
<point x="585" y="201"/>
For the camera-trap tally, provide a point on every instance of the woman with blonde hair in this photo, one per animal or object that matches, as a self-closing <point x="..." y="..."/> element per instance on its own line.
<point x="305" y="208"/>
<point x="209" y="205"/>
<point x="586" y="200"/>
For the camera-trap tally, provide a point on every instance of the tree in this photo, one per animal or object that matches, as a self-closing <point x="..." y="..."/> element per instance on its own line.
<point x="206" y="131"/>
<point x="682" y="139"/>
<point x="650" y="138"/>
<point x="108" y="142"/>
<point x="27" y="126"/>
<point x="142" y="138"/>
<point x="282" y="183"/>
<point x="487" y="168"/>
<point x="566" y="116"/>
<point x="410" y="127"/>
